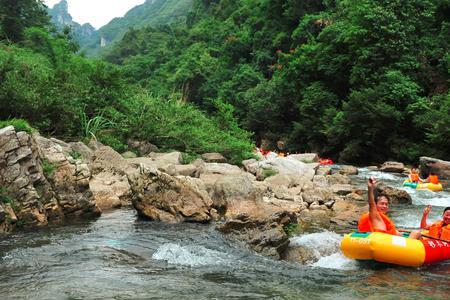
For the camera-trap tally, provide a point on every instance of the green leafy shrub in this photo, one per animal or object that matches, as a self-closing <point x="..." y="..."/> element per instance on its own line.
<point x="113" y="141"/>
<point x="175" y="125"/>
<point x="75" y="154"/>
<point x="18" y="124"/>
<point x="48" y="168"/>
<point x="91" y="127"/>
<point x="290" y="229"/>
<point x="187" y="158"/>
<point x="6" y="199"/>
<point x="268" y="172"/>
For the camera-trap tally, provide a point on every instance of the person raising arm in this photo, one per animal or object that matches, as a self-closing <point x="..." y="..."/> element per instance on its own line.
<point x="376" y="219"/>
<point x="439" y="229"/>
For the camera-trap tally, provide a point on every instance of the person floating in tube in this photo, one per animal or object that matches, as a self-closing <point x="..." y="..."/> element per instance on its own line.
<point x="439" y="229"/>
<point x="376" y="219"/>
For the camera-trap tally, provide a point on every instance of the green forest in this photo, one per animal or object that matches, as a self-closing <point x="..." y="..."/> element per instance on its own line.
<point x="359" y="81"/>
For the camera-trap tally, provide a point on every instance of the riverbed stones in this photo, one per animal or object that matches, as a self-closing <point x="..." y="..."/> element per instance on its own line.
<point x="338" y="178"/>
<point x="396" y="196"/>
<point x="348" y="170"/>
<point x="346" y="213"/>
<point x="342" y="189"/>
<point x="213" y="157"/>
<point x="232" y="187"/>
<point x="263" y="234"/>
<point x="143" y="147"/>
<point x="305" y="157"/>
<point x="319" y="195"/>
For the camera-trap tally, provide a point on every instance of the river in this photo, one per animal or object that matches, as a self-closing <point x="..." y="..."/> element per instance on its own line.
<point x="120" y="256"/>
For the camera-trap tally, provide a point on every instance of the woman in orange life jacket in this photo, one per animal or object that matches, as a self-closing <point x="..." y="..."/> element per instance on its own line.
<point x="413" y="175"/>
<point x="439" y="229"/>
<point x="376" y="220"/>
<point x="432" y="178"/>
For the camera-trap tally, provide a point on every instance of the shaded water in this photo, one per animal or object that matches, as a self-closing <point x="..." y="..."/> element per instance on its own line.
<point x="120" y="256"/>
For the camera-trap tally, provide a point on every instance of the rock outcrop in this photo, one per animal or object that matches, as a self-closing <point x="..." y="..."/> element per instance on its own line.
<point x="396" y="196"/>
<point x="392" y="167"/>
<point x="440" y="167"/>
<point x="40" y="182"/>
<point x="109" y="183"/>
<point x="159" y="196"/>
<point x="259" y="225"/>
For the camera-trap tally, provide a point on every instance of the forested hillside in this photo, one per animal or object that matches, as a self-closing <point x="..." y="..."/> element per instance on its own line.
<point x="61" y="18"/>
<point x="150" y="13"/>
<point x="361" y="80"/>
<point x="44" y="82"/>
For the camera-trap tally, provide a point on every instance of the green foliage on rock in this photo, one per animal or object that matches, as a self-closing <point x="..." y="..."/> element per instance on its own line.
<point x="18" y="124"/>
<point x="48" y="168"/>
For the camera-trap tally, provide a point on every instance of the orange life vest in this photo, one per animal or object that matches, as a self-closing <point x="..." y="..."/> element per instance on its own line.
<point x="439" y="231"/>
<point x="414" y="177"/>
<point x="433" y="179"/>
<point x="365" y="225"/>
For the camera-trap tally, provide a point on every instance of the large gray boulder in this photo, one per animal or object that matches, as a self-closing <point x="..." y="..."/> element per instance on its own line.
<point x="392" y="167"/>
<point x="285" y="166"/>
<point x="69" y="179"/>
<point x="396" y="196"/>
<point x="263" y="234"/>
<point x="213" y="157"/>
<point x="348" y="170"/>
<point x="305" y="157"/>
<point x="159" y="196"/>
<point x="233" y="187"/>
<point x="438" y="166"/>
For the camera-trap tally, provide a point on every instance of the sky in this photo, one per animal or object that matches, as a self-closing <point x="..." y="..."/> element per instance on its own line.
<point x="97" y="12"/>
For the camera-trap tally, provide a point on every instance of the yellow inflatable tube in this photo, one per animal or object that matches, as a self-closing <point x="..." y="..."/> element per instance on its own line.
<point x="383" y="248"/>
<point x="395" y="249"/>
<point x="423" y="186"/>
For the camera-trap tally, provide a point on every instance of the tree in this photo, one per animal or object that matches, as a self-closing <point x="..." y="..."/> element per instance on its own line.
<point x="17" y="15"/>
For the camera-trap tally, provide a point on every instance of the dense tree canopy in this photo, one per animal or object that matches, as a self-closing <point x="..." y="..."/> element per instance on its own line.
<point x="358" y="80"/>
<point x="18" y="15"/>
<point x="362" y="80"/>
<point x="44" y="81"/>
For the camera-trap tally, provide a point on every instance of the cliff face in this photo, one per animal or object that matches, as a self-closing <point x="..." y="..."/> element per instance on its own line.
<point x="61" y="18"/>
<point x="39" y="183"/>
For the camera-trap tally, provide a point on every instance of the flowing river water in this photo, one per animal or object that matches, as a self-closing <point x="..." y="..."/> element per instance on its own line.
<point x="120" y="256"/>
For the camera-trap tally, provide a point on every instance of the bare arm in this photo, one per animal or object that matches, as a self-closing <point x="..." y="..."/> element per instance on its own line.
<point x="374" y="215"/>
<point x="423" y="222"/>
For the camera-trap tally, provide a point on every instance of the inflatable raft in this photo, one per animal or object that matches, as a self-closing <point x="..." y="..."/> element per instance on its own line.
<point x="325" y="161"/>
<point x="394" y="249"/>
<point x="423" y="186"/>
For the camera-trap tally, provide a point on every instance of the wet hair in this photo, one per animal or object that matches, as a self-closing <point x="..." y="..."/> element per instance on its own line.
<point x="447" y="208"/>
<point x="377" y="195"/>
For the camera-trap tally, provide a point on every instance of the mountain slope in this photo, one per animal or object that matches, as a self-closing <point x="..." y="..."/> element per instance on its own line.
<point x="150" y="13"/>
<point x="60" y="17"/>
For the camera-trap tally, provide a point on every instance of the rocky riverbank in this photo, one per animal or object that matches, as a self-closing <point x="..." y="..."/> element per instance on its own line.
<point x="46" y="180"/>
